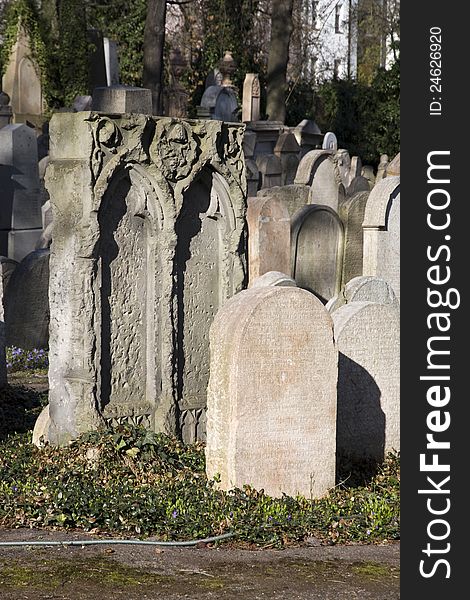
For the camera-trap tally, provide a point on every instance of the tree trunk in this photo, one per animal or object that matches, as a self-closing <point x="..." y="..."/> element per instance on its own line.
<point x="154" y="42"/>
<point x="281" y="31"/>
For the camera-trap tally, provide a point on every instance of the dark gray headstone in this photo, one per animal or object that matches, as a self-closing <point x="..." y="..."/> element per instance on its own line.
<point x="27" y="303"/>
<point x="317" y="242"/>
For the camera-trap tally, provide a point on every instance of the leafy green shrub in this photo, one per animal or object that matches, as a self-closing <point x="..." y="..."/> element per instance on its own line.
<point x="26" y="360"/>
<point x="130" y="481"/>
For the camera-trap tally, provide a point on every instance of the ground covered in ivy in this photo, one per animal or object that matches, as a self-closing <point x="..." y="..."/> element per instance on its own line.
<point x="131" y="482"/>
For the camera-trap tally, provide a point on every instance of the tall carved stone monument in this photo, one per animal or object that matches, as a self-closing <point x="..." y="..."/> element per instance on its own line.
<point x="149" y="242"/>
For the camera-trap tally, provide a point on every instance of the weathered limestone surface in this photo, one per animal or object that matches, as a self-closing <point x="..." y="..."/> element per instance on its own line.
<point x="251" y="110"/>
<point x="268" y="236"/>
<point x="287" y="150"/>
<point x="364" y="289"/>
<point x="367" y="335"/>
<point x="22" y="80"/>
<point x="272" y="393"/>
<point x="294" y="197"/>
<point x="319" y="170"/>
<point x="117" y="99"/>
<point x="273" y="278"/>
<point x="381" y="227"/>
<point x="351" y="212"/>
<point x="317" y="241"/>
<point x="149" y="242"/>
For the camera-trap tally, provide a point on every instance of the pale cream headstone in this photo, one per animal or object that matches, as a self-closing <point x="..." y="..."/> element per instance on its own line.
<point x="367" y="335"/>
<point x="22" y="79"/>
<point x="251" y="98"/>
<point x="272" y="393"/>
<point x="319" y="170"/>
<point x="381" y="230"/>
<point x="268" y="236"/>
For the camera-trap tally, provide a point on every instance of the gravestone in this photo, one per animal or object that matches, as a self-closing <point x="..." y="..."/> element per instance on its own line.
<point x="294" y="197"/>
<point x="364" y="289"/>
<point x="120" y="99"/>
<point x="97" y="76"/>
<point x="381" y="232"/>
<point x="330" y="141"/>
<point x="367" y="335"/>
<point x="268" y="236"/>
<point x="149" y="241"/>
<point x="270" y="170"/>
<point x="111" y="61"/>
<point x="27" y="303"/>
<point x="272" y="393"/>
<point x="20" y="203"/>
<point x="358" y="184"/>
<point x="319" y="170"/>
<point x="252" y="172"/>
<point x="251" y="98"/>
<point x="382" y="168"/>
<point x="267" y="133"/>
<point x="308" y="135"/>
<point x="351" y="213"/>
<point x="356" y="168"/>
<point x="22" y="81"/>
<point x="317" y="242"/>
<point x="367" y="172"/>
<point x="220" y="103"/>
<point x="273" y="278"/>
<point x="287" y="150"/>
<point x="393" y="167"/>
<point x="342" y="161"/>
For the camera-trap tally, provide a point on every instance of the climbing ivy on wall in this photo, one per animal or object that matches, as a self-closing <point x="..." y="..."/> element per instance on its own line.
<point x="23" y="13"/>
<point x="58" y="44"/>
<point x="124" y="22"/>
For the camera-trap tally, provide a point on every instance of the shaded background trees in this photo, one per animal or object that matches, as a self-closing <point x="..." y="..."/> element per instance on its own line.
<point x="273" y="38"/>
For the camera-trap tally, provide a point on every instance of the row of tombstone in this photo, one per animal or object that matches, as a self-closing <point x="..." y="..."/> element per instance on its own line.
<point x="324" y="239"/>
<point x="295" y="386"/>
<point x="148" y="252"/>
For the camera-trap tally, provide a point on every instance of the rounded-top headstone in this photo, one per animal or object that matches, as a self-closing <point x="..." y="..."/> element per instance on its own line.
<point x="330" y="141"/>
<point x="273" y="278"/>
<point x="27" y="302"/>
<point x="271" y="404"/>
<point x="367" y="336"/>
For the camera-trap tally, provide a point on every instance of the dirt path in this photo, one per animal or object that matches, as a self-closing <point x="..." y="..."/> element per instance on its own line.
<point x="143" y="572"/>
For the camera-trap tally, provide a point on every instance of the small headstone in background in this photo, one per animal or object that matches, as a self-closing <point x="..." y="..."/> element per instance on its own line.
<point x="287" y="150"/>
<point x="20" y="202"/>
<point x="121" y="99"/>
<point x="330" y="142"/>
<point x="251" y="98"/>
<point x="381" y="231"/>
<point x="317" y="239"/>
<point x="270" y="169"/>
<point x="27" y="303"/>
<point x="268" y="236"/>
